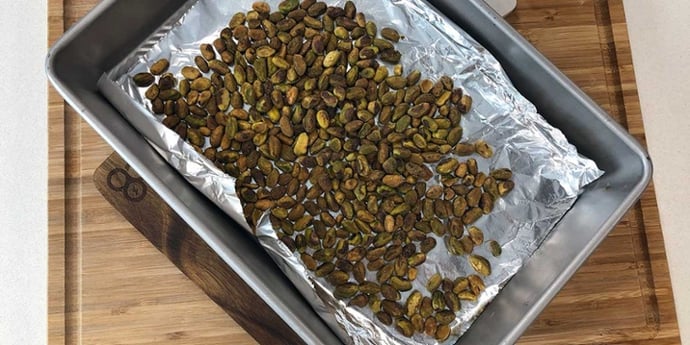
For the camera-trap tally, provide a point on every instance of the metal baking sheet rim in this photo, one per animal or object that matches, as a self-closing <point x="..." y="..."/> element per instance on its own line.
<point x="546" y="187"/>
<point x="85" y="108"/>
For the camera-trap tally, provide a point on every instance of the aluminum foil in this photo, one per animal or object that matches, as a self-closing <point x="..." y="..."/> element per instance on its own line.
<point x="548" y="172"/>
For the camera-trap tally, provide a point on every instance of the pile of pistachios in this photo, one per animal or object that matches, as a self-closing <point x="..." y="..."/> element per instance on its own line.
<point x="359" y="164"/>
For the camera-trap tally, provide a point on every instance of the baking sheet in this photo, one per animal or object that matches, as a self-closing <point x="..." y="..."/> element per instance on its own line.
<point x="548" y="172"/>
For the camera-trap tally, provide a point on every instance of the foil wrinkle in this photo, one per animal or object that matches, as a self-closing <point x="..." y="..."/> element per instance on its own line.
<point x="548" y="172"/>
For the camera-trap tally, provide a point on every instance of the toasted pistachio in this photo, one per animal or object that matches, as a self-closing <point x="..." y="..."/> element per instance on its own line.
<point x="369" y="288"/>
<point x="325" y="269"/>
<point x="476" y="235"/>
<point x="405" y="327"/>
<point x="437" y="301"/>
<point x="495" y="248"/>
<point x="430" y="326"/>
<point x="504" y="187"/>
<point x="434" y="282"/>
<point x="346" y="155"/>
<point x="447" y="166"/>
<point x="393" y="308"/>
<point x="426" y="309"/>
<point x="472" y="215"/>
<point x="400" y="284"/>
<point x="390" y="34"/>
<point x="480" y="264"/>
<point x="476" y="284"/>
<point x="287" y="6"/>
<point x="152" y="92"/>
<point x="483" y="149"/>
<point x="445" y="317"/>
<point x="413" y="303"/>
<point x="346" y="290"/>
<point x="460" y="284"/>
<point x="442" y="333"/>
<point x="384" y="318"/>
<point x="465" y="104"/>
<point x="502" y="174"/>
<point x="360" y="301"/>
<point x="143" y="79"/>
<point x="486" y="203"/>
<point x="428" y="244"/>
<point x="159" y="67"/>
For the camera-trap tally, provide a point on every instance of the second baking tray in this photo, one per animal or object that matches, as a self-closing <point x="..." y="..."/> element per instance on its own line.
<point x="91" y="47"/>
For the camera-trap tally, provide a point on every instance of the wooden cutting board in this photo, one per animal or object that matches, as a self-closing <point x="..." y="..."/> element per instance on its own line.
<point x="108" y="284"/>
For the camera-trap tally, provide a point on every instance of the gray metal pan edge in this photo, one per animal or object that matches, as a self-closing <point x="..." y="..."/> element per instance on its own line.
<point x="595" y="134"/>
<point x="74" y="70"/>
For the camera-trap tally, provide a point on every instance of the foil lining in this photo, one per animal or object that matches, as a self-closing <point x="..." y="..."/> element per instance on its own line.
<point x="548" y="172"/>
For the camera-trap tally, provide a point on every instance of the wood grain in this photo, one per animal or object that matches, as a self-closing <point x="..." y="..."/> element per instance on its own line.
<point x="140" y="205"/>
<point x="109" y="285"/>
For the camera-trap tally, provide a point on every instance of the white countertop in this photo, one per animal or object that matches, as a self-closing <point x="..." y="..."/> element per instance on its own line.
<point x="23" y="186"/>
<point x="658" y="34"/>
